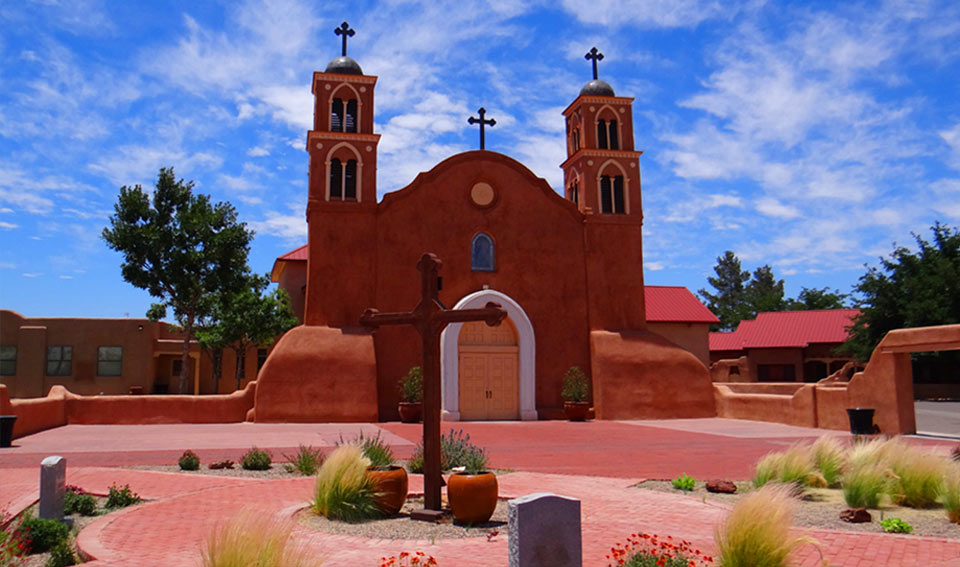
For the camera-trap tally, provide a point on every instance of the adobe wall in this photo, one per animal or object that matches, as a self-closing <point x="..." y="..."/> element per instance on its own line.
<point x="641" y="375"/>
<point x="694" y="337"/>
<point x="775" y="402"/>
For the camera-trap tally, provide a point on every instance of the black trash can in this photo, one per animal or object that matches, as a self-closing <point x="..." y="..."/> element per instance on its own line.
<point x="861" y="420"/>
<point x="6" y="429"/>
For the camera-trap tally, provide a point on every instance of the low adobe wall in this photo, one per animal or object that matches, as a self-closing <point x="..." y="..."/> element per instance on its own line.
<point x="787" y="402"/>
<point x="61" y="407"/>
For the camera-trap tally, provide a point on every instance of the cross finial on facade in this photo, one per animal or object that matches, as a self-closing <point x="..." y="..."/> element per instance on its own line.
<point x="345" y="31"/>
<point x="482" y="121"/>
<point x="592" y="54"/>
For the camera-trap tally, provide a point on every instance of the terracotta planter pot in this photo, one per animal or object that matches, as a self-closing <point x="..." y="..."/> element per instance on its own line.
<point x="411" y="412"/>
<point x="954" y="516"/>
<point x="390" y="488"/>
<point x="576" y="411"/>
<point x="472" y="497"/>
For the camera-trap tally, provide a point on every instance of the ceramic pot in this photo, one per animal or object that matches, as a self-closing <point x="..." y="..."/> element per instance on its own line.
<point x="411" y="412"/>
<point x="576" y="411"/>
<point x="389" y="487"/>
<point x="472" y="497"/>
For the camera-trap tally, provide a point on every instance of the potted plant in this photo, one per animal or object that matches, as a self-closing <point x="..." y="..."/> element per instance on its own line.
<point x="388" y="480"/>
<point x="411" y="396"/>
<point x="575" y="391"/>
<point x="473" y="493"/>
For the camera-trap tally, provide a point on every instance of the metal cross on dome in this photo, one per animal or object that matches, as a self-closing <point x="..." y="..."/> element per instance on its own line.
<point x="345" y="31"/>
<point x="596" y="56"/>
<point x="481" y="121"/>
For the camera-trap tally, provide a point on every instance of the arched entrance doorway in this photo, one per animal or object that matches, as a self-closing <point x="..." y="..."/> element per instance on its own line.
<point x="487" y="353"/>
<point x="488" y="365"/>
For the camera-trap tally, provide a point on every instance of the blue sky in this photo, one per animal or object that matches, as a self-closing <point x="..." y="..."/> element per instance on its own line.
<point x="803" y="135"/>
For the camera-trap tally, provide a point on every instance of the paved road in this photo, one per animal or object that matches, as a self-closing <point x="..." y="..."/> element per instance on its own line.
<point x="942" y="418"/>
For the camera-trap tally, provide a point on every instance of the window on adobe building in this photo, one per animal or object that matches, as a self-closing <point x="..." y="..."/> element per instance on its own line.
<point x="575" y="192"/>
<point x="611" y="195"/>
<point x="350" y="120"/>
<point x="614" y="136"/>
<point x="350" y="181"/>
<point x="336" y="179"/>
<point x="776" y="373"/>
<point x="482" y="253"/>
<point x="176" y="367"/>
<point x="336" y="115"/>
<point x="109" y="361"/>
<point x="8" y="360"/>
<point x="602" y="134"/>
<point x="261" y="358"/>
<point x="59" y="360"/>
<point x="576" y="139"/>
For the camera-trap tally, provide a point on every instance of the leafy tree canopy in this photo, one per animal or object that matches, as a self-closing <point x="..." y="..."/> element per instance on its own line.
<point x="908" y="289"/>
<point x="810" y="299"/>
<point x="729" y="301"/>
<point x="179" y="247"/>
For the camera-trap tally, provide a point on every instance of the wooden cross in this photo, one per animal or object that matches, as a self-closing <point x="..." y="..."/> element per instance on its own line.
<point x="481" y="121"/>
<point x="430" y="318"/>
<point x="345" y="31"/>
<point x="592" y="54"/>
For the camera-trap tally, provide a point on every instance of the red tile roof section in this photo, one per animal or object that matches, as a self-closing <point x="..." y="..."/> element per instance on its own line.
<point x="787" y="329"/>
<point x="675" y="304"/>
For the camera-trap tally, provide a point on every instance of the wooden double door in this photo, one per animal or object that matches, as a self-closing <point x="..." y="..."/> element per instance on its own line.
<point x="489" y="371"/>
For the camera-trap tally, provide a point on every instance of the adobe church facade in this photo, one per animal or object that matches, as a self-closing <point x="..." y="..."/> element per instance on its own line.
<point x="568" y="270"/>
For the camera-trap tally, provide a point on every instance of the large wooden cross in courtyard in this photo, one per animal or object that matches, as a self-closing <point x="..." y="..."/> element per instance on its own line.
<point x="430" y="317"/>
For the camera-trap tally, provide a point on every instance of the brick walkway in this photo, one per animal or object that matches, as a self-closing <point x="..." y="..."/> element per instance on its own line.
<point x="168" y="530"/>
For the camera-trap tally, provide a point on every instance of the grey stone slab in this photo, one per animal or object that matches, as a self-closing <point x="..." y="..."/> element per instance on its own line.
<point x="53" y="485"/>
<point x="544" y="531"/>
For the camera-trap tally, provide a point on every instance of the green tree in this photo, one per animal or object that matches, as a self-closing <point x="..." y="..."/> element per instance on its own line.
<point x="248" y="317"/>
<point x="909" y="289"/>
<point x="179" y="247"/>
<point x="729" y="301"/>
<point x="764" y="292"/>
<point x="811" y="298"/>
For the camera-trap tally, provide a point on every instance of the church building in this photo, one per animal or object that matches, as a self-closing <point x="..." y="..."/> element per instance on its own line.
<point x="567" y="269"/>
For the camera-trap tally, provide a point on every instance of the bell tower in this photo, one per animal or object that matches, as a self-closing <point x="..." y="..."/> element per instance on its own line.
<point x="342" y="200"/>
<point x="601" y="173"/>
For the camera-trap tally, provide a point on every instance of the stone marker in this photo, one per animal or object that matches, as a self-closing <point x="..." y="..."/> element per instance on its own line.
<point x="544" y="531"/>
<point x="53" y="484"/>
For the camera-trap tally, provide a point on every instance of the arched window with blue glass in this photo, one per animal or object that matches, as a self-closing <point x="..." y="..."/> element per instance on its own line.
<point x="482" y="253"/>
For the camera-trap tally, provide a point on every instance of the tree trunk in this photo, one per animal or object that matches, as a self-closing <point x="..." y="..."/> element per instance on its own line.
<point x="185" y="358"/>
<point x="241" y="350"/>
<point x="217" y="358"/>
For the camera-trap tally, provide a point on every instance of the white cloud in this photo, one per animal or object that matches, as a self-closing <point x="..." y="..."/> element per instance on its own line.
<point x="952" y="138"/>
<point x="32" y="275"/>
<point x="290" y="227"/>
<point x="774" y="208"/>
<point x="650" y="13"/>
<point x="8" y="225"/>
<point x="653" y="266"/>
<point x="133" y="164"/>
<point x="258" y="151"/>
<point x="25" y="190"/>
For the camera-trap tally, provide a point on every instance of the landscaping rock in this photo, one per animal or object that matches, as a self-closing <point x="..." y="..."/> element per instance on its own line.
<point x="721" y="487"/>
<point x="856" y="516"/>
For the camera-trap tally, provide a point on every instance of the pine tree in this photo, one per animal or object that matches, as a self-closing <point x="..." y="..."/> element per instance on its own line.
<point x="729" y="301"/>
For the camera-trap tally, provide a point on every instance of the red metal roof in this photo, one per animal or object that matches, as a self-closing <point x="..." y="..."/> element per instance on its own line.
<point x="296" y="254"/>
<point x="675" y="304"/>
<point x="787" y="329"/>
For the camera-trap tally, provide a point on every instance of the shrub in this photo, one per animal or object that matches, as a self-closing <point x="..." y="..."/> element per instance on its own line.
<point x="374" y="449"/>
<point x="951" y="493"/>
<point x="863" y="484"/>
<point x="75" y="502"/>
<point x="648" y="550"/>
<point x="251" y="539"/>
<point x="829" y="458"/>
<point x="475" y="461"/>
<point x="306" y="461"/>
<point x="756" y="531"/>
<point x="43" y="535"/>
<point x="256" y="460"/>
<point x="575" y="386"/>
<point x="219" y="465"/>
<point x="407" y="559"/>
<point x="343" y="490"/>
<point x="896" y="526"/>
<point x="13" y="541"/>
<point x="61" y="556"/>
<point x="122" y="497"/>
<point x="684" y="482"/>
<point x="189" y="461"/>
<point x="454" y="449"/>
<point x="917" y="477"/>
<point x="411" y="385"/>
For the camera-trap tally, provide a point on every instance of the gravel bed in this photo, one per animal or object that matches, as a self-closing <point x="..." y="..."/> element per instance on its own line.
<point x="275" y="471"/>
<point x="402" y="527"/>
<point x="821" y="507"/>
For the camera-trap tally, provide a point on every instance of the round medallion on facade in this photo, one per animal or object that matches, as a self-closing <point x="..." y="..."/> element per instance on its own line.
<point x="369" y="148"/>
<point x="482" y="194"/>
<point x="327" y="86"/>
<point x="593" y="109"/>
<point x="589" y="162"/>
<point x="622" y="110"/>
<point x="319" y="146"/>
<point x="364" y="89"/>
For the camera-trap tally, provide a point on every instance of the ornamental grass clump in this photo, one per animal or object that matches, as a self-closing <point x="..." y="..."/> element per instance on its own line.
<point x="254" y="540"/>
<point x="951" y="493"/>
<point x="794" y="466"/>
<point x="374" y="449"/>
<point x="305" y="461"/>
<point x="343" y="490"/>
<point x="864" y="483"/>
<point x="829" y="457"/>
<point x="757" y="530"/>
<point x="917" y="479"/>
